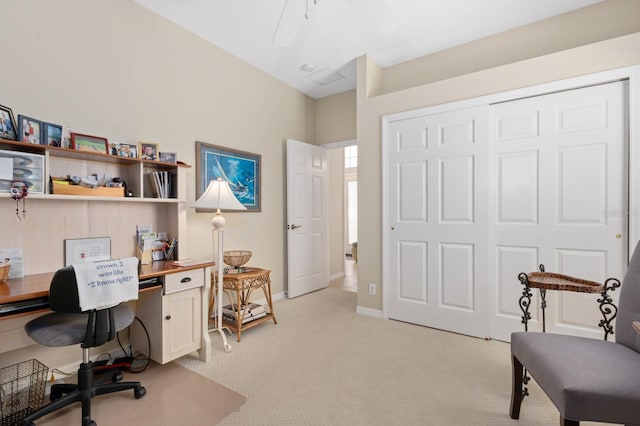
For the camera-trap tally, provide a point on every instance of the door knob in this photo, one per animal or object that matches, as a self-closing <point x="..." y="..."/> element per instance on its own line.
<point x="168" y="317"/>
<point x="295" y="226"/>
<point x="618" y="236"/>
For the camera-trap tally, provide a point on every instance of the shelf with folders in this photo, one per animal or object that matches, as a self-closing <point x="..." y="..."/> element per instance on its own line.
<point x="57" y="162"/>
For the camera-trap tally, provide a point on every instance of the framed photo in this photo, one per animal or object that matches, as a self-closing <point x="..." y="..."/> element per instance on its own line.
<point x="168" y="157"/>
<point x="30" y="130"/>
<point x="81" y="250"/>
<point x="241" y="169"/>
<point x="89" y="143"/>
<point x="52" y="134"/>
<point x="148" y="151"/>
<point x="8" y="125"/>
<point x="123" y="149"/>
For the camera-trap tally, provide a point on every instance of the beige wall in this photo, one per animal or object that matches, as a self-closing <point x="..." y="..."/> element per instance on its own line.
<point x="610" y="54"/>
<point x="336" y="116"/>
<point x="117" y="70"/>
<point x="602" y="21"/>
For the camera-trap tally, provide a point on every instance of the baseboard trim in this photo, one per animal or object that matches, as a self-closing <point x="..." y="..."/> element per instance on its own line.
<point x="336" y="276"/>
<point x="375" y="313"/>
<point x="277" y="296"/>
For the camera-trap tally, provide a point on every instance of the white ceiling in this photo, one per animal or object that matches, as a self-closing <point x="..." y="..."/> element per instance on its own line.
<point x="276" y="37"/>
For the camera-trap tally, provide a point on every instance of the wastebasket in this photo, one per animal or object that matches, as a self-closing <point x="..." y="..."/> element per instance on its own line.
<point x="21" y="390"/>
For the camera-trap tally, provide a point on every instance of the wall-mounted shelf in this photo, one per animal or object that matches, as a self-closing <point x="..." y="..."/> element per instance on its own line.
<point x="58" y="197"/>
<point x="81" y="155"/>
<point x="135" y="172"/>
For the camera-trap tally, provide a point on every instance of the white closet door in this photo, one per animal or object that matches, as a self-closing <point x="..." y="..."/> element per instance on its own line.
<point x="559" y="187"/>
<point x="437" y="217"/>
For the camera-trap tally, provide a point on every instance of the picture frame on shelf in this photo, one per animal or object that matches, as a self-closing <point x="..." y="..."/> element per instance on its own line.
<point x="121" y="149"/>
<point x="66" y="137"/>
<point x="168" y="157"/>
<point x="8" y="126"/>
<point x="240" y="168"/>
<point x="52" y="134"/>
<point x="29" y="130"/>
<point x="148" y="151"/>
<point x="88" y="143"/>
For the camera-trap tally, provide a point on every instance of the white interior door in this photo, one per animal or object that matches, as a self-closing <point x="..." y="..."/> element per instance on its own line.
<point x="437" y="218"/>
<point x="307" y="218"/>
<point x="560" y="184"/>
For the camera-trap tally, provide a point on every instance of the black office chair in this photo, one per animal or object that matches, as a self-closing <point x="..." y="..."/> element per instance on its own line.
<point x="67" y="326"/>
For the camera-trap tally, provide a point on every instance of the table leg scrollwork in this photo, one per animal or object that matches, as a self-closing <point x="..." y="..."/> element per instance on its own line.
<point x="525" y="300"/>
<point x="608" y="309"/>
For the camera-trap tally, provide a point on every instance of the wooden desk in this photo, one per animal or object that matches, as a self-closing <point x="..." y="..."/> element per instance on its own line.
<point x="243" y="284"/>
<point x="150" y="300"/>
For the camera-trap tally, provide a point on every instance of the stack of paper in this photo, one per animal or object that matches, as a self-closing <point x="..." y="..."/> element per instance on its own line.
<point x="148" y="239"/>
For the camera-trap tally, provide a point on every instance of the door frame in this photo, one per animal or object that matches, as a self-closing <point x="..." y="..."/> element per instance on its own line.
<point x="632" y="74"/>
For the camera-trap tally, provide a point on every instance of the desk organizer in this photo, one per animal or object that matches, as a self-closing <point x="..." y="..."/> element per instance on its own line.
<point x="28" y="168"/>
<point x="100" y="191"/>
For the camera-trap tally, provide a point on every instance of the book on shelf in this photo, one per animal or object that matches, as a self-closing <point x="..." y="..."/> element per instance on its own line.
<point x="247" y="317"/>
<point x="249" y="309"/>
<point x="162" y="184"/>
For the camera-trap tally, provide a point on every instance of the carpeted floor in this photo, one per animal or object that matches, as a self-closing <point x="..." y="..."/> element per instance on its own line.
<point x="175" y="396"/>
<point x="323" y="364"/>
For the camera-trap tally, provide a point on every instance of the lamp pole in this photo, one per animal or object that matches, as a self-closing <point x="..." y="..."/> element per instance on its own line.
<point x="218" y="223"/>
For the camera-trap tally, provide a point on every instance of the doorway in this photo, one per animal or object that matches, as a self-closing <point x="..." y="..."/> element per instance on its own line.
<point x="343" y="214"/>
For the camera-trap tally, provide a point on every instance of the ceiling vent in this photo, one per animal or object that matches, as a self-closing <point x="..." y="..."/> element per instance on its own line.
<point x="325" y="76"/>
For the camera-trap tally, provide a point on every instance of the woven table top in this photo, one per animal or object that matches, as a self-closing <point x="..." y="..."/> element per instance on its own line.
<point x="551" y="281"/>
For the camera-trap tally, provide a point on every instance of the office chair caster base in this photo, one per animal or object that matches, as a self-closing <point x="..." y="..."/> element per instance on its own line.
<point x="139" y="392"/>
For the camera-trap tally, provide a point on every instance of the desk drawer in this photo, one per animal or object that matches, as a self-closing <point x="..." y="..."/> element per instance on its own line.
<point x="180" y="281"/>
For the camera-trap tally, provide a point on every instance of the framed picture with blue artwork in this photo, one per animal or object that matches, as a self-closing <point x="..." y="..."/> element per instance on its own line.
<point x="241" y="169"/>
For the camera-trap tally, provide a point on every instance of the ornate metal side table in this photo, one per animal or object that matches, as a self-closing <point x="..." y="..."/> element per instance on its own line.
<point x="544" y="281"/>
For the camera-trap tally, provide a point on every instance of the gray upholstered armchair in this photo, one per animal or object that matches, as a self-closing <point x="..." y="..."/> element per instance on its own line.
<point x="586" y="379"/>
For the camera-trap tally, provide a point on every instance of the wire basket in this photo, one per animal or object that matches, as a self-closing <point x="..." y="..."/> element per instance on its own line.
<point x="21" y="390"/>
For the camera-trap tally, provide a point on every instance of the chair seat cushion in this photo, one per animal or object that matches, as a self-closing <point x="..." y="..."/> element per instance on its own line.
<point x="61" y="329"/>
<point x="586" y="379"/>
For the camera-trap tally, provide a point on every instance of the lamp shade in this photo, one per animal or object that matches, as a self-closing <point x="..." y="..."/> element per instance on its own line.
<point x="218" y="195"/>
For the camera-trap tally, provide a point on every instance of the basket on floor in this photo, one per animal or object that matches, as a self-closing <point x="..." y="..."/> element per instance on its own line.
<point x="21" y="390"/>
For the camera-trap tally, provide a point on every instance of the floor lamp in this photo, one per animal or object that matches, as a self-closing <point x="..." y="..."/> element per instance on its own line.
<point x="219" y="196"/>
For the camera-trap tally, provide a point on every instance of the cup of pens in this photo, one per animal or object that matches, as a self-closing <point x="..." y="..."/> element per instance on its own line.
<point x="170" y="249"/>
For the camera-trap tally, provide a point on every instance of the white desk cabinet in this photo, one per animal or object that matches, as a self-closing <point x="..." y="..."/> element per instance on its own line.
<point x="173" y="316"/>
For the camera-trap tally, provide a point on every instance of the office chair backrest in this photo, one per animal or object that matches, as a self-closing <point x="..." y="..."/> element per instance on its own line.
<point x="63" y="292"/>
<point x="63" y="297"/>
<point x="629" y="305"/>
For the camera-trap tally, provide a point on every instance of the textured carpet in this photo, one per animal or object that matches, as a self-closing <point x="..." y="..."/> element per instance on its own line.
<point x="323" y="364"/>
<point x="175" y="396"/>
